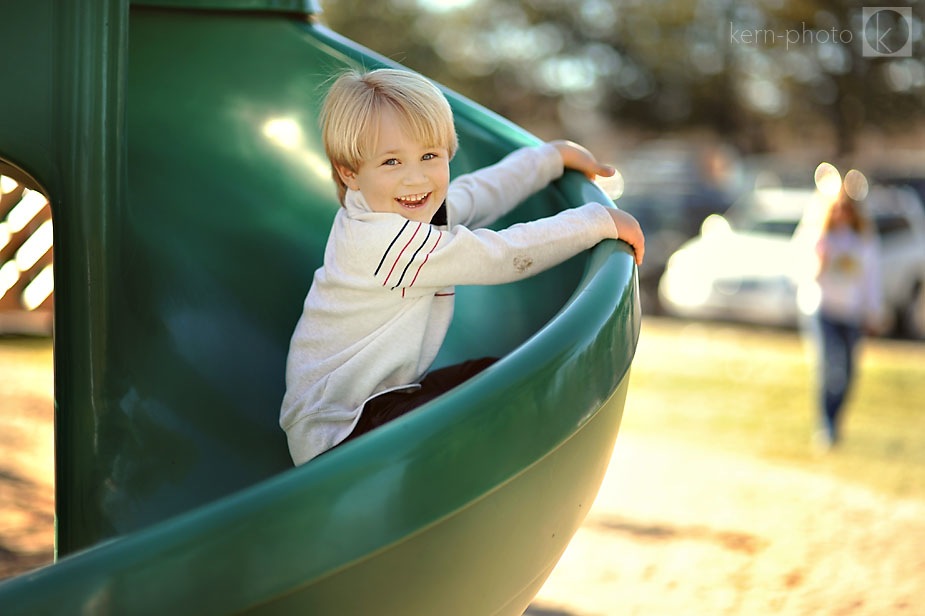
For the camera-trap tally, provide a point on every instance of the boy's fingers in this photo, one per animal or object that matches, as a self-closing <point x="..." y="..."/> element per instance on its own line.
<point x="601" y="171"/>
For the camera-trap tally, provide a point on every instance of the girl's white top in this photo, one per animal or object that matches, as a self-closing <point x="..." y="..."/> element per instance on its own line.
<point x="848" y="285"/>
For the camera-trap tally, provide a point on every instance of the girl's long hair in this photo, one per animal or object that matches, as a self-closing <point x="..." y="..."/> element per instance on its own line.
<point x="857" y="217"/>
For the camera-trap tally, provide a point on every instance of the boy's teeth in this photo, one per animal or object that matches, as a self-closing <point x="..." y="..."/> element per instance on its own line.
<point x="413" y="198"/>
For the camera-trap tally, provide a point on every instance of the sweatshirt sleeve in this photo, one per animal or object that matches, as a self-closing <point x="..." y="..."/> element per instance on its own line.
<point x="479" y="198"/>
<point x="422" y="258"/>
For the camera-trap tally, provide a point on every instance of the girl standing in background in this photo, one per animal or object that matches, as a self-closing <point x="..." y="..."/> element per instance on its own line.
<point x="846" y="294"/>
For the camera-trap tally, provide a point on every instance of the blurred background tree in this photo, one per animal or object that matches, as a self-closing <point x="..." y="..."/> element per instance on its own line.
<point x="757" y="73"/>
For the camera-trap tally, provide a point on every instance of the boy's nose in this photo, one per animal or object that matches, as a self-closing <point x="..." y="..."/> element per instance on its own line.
<point x="414" y="174"/>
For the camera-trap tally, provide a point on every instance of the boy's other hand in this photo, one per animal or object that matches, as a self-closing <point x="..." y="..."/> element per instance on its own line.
<point x="578" y="157"/>
<point x="630" y="232"/>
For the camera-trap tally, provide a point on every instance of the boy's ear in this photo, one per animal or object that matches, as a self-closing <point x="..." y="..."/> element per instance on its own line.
<point x="347" y="176"/>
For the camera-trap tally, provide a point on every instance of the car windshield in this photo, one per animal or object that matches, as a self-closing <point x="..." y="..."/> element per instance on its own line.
<point x="773" y="212"/>
<point x="778" y="212"/>
<point x="772" y="226"/>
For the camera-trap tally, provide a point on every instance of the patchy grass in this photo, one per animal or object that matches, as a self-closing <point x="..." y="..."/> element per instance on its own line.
<point x="750" y="390"/>
<point x="737" y="388"/>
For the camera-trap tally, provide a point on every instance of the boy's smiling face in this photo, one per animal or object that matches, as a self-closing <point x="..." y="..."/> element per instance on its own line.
<point x="403" y="176"/>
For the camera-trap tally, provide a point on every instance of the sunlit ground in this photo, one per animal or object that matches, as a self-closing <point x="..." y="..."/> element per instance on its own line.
<point x="716" y="501"/>
<point x="26" y="455"/>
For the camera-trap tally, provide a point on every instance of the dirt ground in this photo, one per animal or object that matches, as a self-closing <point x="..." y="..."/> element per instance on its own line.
<point x="677" y="529"/>
<point x="680" y="530"/>
<point x="26" y="456"/>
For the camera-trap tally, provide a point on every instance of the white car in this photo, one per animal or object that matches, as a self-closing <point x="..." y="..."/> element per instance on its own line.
<point x="746" y="265"/>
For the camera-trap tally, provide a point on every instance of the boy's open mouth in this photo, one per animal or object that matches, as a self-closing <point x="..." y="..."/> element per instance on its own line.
<point x="413" y="200"/>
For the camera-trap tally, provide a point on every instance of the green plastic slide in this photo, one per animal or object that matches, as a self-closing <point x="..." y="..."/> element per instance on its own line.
<point x="178" y="144"/>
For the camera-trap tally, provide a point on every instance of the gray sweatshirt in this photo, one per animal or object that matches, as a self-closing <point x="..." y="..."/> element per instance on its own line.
<point x="380" y="306"/>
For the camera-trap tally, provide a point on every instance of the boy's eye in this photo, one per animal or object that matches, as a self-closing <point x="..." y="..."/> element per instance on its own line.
<point x="391" y="162"/>
<point x="429" y="156"/>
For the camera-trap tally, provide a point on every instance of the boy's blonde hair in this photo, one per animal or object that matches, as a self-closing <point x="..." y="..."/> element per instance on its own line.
<point x="352" y="108"/>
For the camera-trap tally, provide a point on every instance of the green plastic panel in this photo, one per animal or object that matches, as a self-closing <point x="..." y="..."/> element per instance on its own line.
<point x="26" y="34"/>
<point x="175" y="491"/>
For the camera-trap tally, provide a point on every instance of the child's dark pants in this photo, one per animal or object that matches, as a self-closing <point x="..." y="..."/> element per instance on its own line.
<point x="386" y="407"/>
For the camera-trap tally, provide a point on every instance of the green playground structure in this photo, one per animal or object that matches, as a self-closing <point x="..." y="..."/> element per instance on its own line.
<point x="177" y="143"/>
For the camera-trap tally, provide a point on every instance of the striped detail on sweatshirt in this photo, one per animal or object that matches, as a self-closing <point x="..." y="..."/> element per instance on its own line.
<point x="412" y="247"/>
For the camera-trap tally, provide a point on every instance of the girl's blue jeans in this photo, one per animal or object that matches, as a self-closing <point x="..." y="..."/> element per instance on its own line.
<point x="837" y="343"/>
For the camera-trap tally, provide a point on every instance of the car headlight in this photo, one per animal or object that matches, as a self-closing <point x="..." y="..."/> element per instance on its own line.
<point x="685" y="285"/>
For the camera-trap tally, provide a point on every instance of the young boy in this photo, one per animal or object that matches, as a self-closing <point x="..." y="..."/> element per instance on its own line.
<point x="380" y="305"/>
